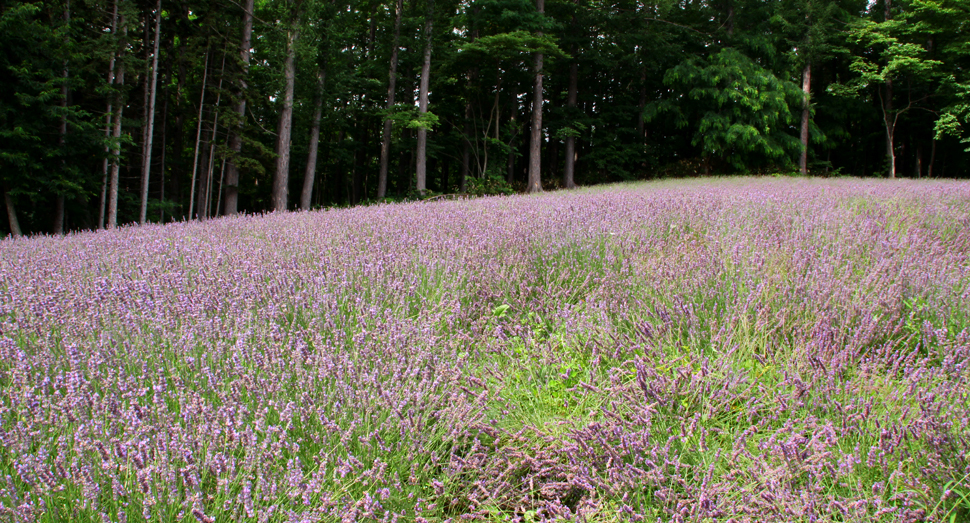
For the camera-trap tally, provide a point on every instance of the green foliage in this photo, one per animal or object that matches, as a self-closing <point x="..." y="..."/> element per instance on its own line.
<point x="895" y="57"/>
<point x="738" y="111"/>
<point x="514" y="45"/>
<point x="489" y="186"/>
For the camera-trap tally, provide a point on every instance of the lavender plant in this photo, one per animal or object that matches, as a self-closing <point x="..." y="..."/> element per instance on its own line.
<point x="721" y="350"/>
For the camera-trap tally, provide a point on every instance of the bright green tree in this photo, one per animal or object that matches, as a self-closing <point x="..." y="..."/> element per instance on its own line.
<point x="737" y="111"/>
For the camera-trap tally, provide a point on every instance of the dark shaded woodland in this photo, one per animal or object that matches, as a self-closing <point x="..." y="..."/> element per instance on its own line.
<point x="123" y="111"/>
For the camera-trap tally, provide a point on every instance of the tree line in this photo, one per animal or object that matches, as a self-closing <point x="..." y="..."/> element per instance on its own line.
<point x="123" y="111"/>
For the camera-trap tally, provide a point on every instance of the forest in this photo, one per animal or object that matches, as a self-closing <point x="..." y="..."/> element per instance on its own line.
<point x="115" y="112"/>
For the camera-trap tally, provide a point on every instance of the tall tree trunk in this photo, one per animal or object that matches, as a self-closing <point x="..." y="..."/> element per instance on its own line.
<point x="59" y="205"/>
<point x="11" y="214"/>
<point x="235" y="135"/>
<point x="535" y="141"/>
<point x="422" y="149"/>
<point x="890" y="125"/>
<point x="510" y="164"/>
<point x="311" y="160"/>
<point x="641" y="105"/>
<point x="929" y="168"/>
<point x="569" y="170"/>
<point x="469" y="127"/>
<point x="357" y="191"/>
<point x="806" y="114"/>
<point x="116" y="135"/>
<point x="391" y="88"/>
<point x="198" y="137"/>
<point x="161" y="168"/>
<point x="205" y="165"/>
<point x="466" y="149"/>
<point x="281" y="180"/>
<point x="918" y="163"/>
<point x="181" y="106"/>
<point x="206" y="196"/>
<point x="107" y="125"/>
<point x="62" y="134"/>
<point x="888" y="109"/>
<point x="150" y="123"/>
<point x="217" y="201"/>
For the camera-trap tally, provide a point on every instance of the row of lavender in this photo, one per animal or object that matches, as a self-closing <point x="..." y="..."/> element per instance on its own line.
<point x="750" y="350"/>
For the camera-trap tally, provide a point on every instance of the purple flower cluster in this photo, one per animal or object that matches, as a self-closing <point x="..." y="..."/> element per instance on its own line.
<point x="728" y="350"/>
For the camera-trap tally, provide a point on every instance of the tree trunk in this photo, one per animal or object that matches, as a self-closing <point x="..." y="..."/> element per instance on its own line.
<point x="206" y="196"/>
<point x="161" y="168"/>
<point x="535" y="142"/>
<point x="466" y="150"/>
<point x="116" y="136"/>
<point x="510" y="165"/>
<point x="890" y="130"/>
<point x="198" y="137"/>
<point x="929" y="168"/>
<point x="806" y="114"/>
<point x="641" y="105"/>
<point x="204" y="166"/>
<point x="281" y="180"/>
<point x="391" y="87"/>
<point x="107" y="126"/>
<point x="150" y="124"/>
<point x="311" y="161"/>
<point x="235" y="136"/>
<point x="181" y="104"/>
<point x="357" y="194"/>
<point x="568" y="175"/>
<point x="218" y="199"/>
<point x="888" y="109"/>
<point x="918" y="163"/>
<point x="422" y="161"/>
<point x="62" y="134"/>
<point x="12" y="215"/>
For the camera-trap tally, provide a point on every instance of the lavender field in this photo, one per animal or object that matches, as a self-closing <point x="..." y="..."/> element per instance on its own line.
<point x="719" y="350"/>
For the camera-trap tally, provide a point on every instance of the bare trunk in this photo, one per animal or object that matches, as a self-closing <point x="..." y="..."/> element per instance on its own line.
<point x="198" y="137"/>
<point x="235" y="136"/>
<point x="806" y="114"/>
<point x="513" y="126"/>
<point x="888" y="109"/>
<point x="200" y="195"/>
<point x="918" y="164"/>
<point x="62" y="135"/>
<point x="391" y="88"/>
<point x="929" y="169"/>
<point x="641" y="104"/>
<point x="212" y="204"/>
<point x="116" y="136"/>
<point x="206" y="196"/>
<point x="357" y="192"/>
<point x="12" y="214"/>
<point x="107" y="125"/>
<point x="569" y="170"/>
<point x="161" y="168"/>
<point x="311" y="161"/>
<point x="422" y="149"/>
<point x="150" y="124"/>
<point x="466" y="151"/>
<point x="890" y="130"/>
<point x="510" y="166"/>
<point x="535" y="142"/>
<point x="281" y="180"/>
